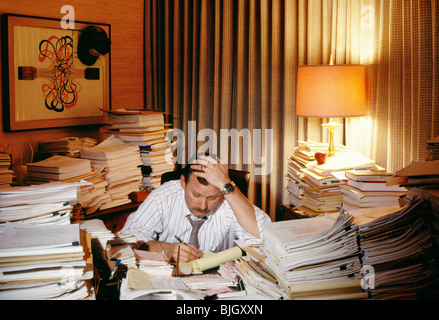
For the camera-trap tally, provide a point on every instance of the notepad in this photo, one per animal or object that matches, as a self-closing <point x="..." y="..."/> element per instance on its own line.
<point x="212" y="260"/>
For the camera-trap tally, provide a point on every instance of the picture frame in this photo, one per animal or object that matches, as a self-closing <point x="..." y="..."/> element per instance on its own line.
<point x="45" y="84"/>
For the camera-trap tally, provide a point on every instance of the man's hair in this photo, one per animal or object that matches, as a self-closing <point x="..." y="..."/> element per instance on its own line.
<point x="187" y="170"/>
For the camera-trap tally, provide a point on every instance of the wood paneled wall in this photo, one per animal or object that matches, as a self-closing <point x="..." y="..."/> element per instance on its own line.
<point x="127" y="81"/>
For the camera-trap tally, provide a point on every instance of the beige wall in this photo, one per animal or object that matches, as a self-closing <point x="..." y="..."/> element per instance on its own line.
<point x="126" y="20"/>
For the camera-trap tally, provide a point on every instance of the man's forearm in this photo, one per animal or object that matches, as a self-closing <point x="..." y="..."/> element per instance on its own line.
<point x="244" y="212"/>
<point x="188" y="252"/>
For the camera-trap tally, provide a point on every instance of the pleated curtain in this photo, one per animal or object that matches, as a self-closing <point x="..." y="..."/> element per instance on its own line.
<point x="223" y="65"/>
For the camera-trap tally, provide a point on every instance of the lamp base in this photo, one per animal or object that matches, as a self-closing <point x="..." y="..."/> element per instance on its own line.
<point x="331" y="126"/>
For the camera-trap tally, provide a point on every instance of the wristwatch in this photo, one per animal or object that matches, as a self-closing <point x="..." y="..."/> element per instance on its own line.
<point x="228" y="188"/>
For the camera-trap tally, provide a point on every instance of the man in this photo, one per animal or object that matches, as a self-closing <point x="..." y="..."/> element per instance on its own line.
<point x="204" y="194"/>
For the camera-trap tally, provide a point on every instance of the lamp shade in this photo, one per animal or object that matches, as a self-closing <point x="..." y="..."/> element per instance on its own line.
<point x="331" y="91"/>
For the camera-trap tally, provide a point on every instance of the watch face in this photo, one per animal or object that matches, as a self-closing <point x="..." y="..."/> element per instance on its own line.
<point x="229" y="187"/>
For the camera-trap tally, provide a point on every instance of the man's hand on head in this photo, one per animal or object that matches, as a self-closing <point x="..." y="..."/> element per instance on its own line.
<point x="214" y="171"/>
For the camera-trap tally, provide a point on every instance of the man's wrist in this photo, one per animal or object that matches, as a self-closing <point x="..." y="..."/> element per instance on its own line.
<point x="228" y="188"/>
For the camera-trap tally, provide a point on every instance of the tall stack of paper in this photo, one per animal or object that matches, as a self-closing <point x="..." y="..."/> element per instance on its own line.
<point x="68" y="146"/>
<point x="397" y="249"/>
<point x="42" y="262"/>
<point x="100" y="235"/>
<point x="310" y="192"/>
<point x="148" y="131"/>
<point x="6" y="172"/>
<point x="121" y="164"/>
<point x="321" y="191"/>
<point x="45" y="204"/>
<point x="366" y="194"/>
<point x="156" y="161"/>
<point x="58" y="168"/>
<point x="315" y="258"/>
<point x="92" y="193"/>
<point x="294" y="178"/>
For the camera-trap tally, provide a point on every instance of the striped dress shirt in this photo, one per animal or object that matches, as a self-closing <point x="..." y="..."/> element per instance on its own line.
<point x="164" y="213"/>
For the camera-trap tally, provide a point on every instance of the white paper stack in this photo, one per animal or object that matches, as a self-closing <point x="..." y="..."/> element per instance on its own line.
<point x="366" y="194"/>
<point x="398" y="249"/>
<point x="100" y="235"/>
<point x="323" y="183"/>
<point x="154" y="264"/>
<point x="258" y="280"/>
<point x="58" y="168"/>
<point x="42" y="262"/>
<point x="318" y="251"/>
<point x="45" y="204"/>
<point x="70" y="146"/>
<point x="122" y="252"/>
<point x="313" y="191"/>
<point x="121" y="163"/>
<point x="156" y="161"/>
<point x="148" y="131"/>
<point x="92" y="193"/>
<point x="208" y="282"/>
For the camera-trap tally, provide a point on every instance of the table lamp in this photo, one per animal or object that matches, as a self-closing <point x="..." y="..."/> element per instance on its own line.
<point x="329" y="91"/>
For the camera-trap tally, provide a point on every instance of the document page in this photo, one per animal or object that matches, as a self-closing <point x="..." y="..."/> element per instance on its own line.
<point x="19" y="236"/>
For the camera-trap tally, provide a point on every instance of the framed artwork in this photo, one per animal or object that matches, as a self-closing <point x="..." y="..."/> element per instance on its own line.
<point x="47" y="83"/>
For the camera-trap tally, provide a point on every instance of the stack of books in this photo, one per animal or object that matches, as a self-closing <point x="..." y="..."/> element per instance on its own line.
<point x="45" y="204"/>
<point x="44" y="262"/>
<point x="148" y="131"/>
<point x="58" y="168"/>
<point x="316" y="258"/>
<point x="366" y="189"/>
<point x="6" y="172"/>
<point x="397" y="250"/>
<point x="68" y="146"/>
<point x="121" y="163"/>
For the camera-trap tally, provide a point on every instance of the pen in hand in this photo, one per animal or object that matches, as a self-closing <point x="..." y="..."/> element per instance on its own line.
<point x="190" y="252"/>
<point x="176" y="237"/>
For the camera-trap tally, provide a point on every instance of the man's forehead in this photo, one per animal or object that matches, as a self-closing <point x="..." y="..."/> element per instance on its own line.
<point x="199" y="188"/>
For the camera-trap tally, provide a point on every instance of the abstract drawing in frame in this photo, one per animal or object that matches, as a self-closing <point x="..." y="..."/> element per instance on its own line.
<point x="46" y="85"/>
